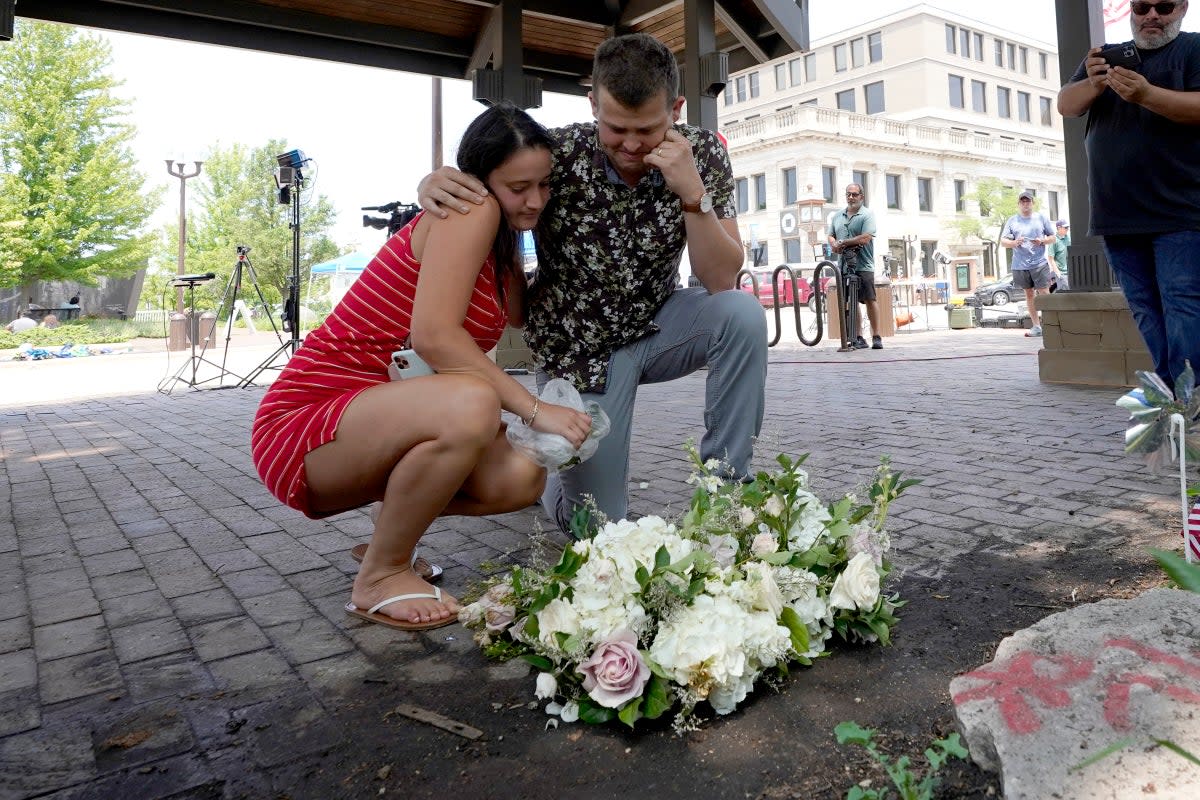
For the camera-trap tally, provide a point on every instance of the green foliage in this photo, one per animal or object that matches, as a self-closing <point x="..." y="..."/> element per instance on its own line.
<point x="1185" y="575"/>
<point x="237" y="203"/>
<point x="72" y="203"/>
<point x="908" y="785"/>
<point x="84" y="332"/>
<point x="997" y="202"/>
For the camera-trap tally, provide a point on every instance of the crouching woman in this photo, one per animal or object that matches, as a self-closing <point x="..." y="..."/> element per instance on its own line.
<point x="334" y="433"/>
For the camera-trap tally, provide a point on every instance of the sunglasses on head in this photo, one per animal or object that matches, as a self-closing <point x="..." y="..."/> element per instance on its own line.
<point x="1163" y="9"/>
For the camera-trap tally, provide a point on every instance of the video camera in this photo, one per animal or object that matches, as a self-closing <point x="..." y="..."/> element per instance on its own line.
<point x="399" y="215"/>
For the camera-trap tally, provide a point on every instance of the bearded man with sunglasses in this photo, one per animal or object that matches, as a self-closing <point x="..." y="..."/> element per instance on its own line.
<point x="1143" y="146"/>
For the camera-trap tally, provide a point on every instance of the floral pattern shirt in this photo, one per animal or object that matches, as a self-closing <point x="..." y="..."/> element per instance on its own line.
<point x="608" y="254"/>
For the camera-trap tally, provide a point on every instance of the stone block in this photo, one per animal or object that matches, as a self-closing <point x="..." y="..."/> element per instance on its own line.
<point x="1093" y="368"/>
<point x="227" y="637"/>
<point x="70" y="638"/>
<point x="150" y="639"/>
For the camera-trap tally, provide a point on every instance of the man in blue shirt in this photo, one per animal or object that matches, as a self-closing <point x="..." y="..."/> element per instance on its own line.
<point x="854" y="227"/>
<point x="1143" y="146"/>
<point x="1027" y="233"/>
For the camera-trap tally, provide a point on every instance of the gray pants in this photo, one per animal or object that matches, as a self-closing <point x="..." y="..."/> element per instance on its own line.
<point x="727" y="332"/>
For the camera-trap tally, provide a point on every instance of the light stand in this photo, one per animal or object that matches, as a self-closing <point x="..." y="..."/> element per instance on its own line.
<point x="290" y="181"/>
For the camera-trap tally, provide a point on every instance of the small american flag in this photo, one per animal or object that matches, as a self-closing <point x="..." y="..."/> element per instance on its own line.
<point x="1191" y="533"/>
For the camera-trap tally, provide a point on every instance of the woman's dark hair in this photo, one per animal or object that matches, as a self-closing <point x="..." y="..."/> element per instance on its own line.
<point x="490" y="140"/>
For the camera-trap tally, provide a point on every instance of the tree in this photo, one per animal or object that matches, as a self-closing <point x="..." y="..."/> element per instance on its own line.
<point x="73" y="203"/>
<point x="997" y="202"/>
<point x="239" y="205"/>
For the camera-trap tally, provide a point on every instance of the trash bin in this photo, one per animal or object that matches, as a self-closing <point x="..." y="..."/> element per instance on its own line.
<point x="203" y="328"/>
<point x="959" y="317"/>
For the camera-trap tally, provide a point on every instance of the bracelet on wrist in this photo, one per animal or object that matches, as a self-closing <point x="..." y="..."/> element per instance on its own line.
<point x="537" y="405"/>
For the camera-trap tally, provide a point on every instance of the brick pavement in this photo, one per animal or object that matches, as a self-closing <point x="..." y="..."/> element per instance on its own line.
<point x="168" y="629"/>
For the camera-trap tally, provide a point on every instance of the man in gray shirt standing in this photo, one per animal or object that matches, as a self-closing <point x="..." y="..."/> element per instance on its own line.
<point x="1027" y="233"/>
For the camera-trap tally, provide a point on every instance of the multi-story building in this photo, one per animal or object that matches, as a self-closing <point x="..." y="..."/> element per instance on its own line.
<point x="918" y="107"/>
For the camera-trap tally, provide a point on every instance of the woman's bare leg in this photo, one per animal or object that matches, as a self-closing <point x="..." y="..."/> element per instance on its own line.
<point x="412" y="444"/>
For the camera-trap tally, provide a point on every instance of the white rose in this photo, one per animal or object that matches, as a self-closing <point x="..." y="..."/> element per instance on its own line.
<point x="570" y="712"/>
<point x="547" y="686"/>
<point x="764" y="544"/>
<point x="559" y="616"/>
<point x="858" y="585"/>
<point x="746" y="516"/>
<point x="759" y="591"/>
<point x="774" y="506"/>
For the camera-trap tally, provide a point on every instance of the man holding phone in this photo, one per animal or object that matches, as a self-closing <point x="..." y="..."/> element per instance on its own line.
<point x="1143" y="146"/>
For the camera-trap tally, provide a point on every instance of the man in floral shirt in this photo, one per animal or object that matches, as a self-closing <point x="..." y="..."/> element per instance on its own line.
<point x="627" y="192"/>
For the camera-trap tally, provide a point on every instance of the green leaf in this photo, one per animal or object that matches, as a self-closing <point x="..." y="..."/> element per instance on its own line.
<point x="656" y="696"/>
<point x="592" y="713"/>
<point x="1178" y="569"/>
<point x="541" y="662"/>
<point x="799" y="631"/>
<point x="631" y="712"/>
<point x="952" y="745"/>
<point x="1174" y="748"/>
<point x="1120" y="744"/>
<point x="850" y="732"/>
<point x="580" y="525"/>
<point x="662" y="558"/>
<point x="778" y="558"/>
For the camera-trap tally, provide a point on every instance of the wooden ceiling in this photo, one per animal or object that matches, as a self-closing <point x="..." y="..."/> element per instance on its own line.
<point x="440" y="37"/>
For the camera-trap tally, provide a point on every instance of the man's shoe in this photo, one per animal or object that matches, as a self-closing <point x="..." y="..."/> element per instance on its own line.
<point x="1036" y="330"/>
<point x="876" y="343"/>
<point x="859" y="344"/>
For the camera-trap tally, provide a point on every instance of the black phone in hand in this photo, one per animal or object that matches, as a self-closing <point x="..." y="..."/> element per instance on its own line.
<point x="1121" y="55"/>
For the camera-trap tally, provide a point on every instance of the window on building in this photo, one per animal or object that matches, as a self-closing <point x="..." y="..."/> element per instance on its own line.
<point x="875" y="47"/>
<point x="789" y="186"/>
<point x="760" y="192"/>
<point x="861" y="177"/>
<point x="964" y="42"/>
<point x="1023" y="106"/>
<point x="829" y="184"/>
<point x="999" y="52"/>
<point x="925" y="194"/>
<point x="839" y="57"/>
<point x="1052" y="204"/>
<point x="780" y="77"/>
<point x="793" y="250"/>
<point x="795" y="71"/>
<point x="1046" y="106"/>
<point x="810" y="67"/>
<point x="809" y="102"/>
<point x="1011" y="50"/>
<point x="740" y="85"/>
<point x="979" y="96"/>
<point x="754" y="84"/>
<point x="727" y="93"/>
<point x="956" y="92"/>
<point x="845" y="100"/>
<point x="743" y="195"/>
<point x="757" y="256"/>
<point x="978" y="49"/>
<point x="1044" y="60"/>
<point x="893" y="191"/>
<point x="858" y="53"/>
<point x="873" y="94"/>
<point x="1024" y="60"/>
<point x="960" y="196"/>
<point x="899" y="259"/>
<point x="951" y="39"/>
<point x="1003" y="102"/>
<point x="928" y="265"/>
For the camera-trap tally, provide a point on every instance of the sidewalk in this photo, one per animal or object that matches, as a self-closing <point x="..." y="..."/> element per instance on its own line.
<point x="168" y="629"/>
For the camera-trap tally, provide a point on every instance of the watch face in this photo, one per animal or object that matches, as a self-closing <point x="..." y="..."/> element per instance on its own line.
<point x="705" y="203"/>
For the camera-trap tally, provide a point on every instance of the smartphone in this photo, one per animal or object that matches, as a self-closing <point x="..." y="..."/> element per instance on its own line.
<point x="1122" y="55"/>
<point x="407" y="364"/>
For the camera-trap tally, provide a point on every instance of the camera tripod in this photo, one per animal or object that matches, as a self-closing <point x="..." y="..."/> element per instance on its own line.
<point x="291" y="306"/>
<point x="848" y="290"/>
<point x="195" y="330"/>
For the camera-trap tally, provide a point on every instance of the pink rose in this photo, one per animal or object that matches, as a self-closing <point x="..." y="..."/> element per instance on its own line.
<point x="616" y="673"/>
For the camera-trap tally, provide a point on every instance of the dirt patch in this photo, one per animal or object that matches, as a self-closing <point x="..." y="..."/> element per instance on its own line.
<point x="778" y="745"/>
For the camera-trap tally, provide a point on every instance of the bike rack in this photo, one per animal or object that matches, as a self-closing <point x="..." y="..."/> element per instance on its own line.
<point x="818" y="300"/>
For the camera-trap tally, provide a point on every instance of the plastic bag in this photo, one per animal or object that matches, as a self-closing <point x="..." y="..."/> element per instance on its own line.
<point x="551" y="450"/>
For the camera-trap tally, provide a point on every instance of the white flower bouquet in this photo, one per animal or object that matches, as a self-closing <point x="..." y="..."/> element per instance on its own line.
<point x="652" y="616"/>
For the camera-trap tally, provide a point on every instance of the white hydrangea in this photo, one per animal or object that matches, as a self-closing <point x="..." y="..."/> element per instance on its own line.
<point x="723" y="549"/>
<point x="809" y="523"/>
<point x="865" y="539"/>
<point x="559" y="616"/>
<point x="758" y="591"/>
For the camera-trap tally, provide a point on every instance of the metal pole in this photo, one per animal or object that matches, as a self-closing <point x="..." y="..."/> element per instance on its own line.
<point x="183" y="176"/>
<point x="437" y="123"/>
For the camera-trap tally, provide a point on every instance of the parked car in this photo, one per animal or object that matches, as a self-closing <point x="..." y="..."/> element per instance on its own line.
<point x="999" y="292"/>
<point x="766" y="295"/>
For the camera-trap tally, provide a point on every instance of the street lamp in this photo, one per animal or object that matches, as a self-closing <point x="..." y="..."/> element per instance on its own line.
<point x="176" y="338"/>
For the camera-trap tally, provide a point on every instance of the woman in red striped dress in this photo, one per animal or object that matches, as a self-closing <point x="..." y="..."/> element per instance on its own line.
<point x="333" y="433"/>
